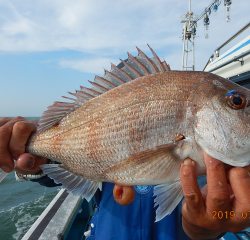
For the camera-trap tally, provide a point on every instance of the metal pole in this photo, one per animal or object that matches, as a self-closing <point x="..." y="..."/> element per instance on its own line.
<point x="193" y="52"/>
<point x="183" y="54"/>
<point x="187" y="54"/>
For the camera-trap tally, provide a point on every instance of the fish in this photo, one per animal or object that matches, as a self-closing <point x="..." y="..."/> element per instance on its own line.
<point x="138" y="123"/>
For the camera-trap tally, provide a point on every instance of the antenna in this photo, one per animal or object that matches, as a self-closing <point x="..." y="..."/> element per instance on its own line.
<point x="188" y="35"/>
<point x="189" y="28"/>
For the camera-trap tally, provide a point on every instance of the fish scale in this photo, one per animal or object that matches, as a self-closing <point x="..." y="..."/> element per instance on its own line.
<point x="153" y="120"/>
<point x="132" y="129"/>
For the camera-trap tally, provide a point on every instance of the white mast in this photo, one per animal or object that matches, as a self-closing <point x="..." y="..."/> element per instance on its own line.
<point x="189" y="29"/>
<point x="188" y="35"/>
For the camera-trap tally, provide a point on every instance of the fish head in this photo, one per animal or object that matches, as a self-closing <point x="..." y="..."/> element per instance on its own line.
<point x="222" y="123"/>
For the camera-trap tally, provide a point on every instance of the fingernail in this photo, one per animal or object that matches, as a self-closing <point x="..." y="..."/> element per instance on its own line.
<point x="30" y="162"/>
<point x="6" y="169"/>
<point x="187" y="162"/>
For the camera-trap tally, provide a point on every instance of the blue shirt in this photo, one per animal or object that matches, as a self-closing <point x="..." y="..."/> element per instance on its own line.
<point x="135" y="221"/>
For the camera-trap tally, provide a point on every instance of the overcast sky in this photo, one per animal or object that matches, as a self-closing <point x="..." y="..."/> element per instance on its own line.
<point x="49" y="47"/>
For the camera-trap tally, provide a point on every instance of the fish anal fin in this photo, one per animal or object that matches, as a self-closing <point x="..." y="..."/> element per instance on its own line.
<point x="75" y="184"/>
<point x="167" y="197"/>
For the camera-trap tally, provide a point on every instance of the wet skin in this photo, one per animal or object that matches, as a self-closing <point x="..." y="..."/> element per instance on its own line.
<point x="227" y="189"/>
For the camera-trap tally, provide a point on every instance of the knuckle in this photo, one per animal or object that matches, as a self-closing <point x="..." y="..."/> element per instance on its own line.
<point x="21" y="126"/>
<point x="4" y="130"/>
<point x="238" y="172"/>
<point x="4" y="119"/>
<point x="219" y="200"/>
<point x="18" y="118"/>
<point x="192" y="198"/>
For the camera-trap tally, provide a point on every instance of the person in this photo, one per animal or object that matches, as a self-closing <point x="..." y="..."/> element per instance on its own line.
<point x="227" y="191"/>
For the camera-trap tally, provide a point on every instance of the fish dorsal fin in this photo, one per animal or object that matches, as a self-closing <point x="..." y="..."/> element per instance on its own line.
<point x="128" y="70"/>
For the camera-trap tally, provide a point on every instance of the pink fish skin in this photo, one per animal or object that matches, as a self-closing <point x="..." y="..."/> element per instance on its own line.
<point x="135" y="124"/>
<point x="139" y="132"/>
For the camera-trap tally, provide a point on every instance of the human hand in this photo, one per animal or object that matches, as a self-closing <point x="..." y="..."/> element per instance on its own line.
<point x="14" y="134"/>
<point x="221" y="206"/>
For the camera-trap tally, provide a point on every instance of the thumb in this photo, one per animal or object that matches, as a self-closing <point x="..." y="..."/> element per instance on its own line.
<point x="28" y="163"/>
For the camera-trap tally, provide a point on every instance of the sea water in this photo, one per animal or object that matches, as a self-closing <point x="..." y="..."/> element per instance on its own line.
<point x="21" y="203"/>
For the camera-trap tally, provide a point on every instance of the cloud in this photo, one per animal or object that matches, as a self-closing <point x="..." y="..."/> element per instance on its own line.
<point x="85" y="26"/>
<point x="89" y="65"/>
<point x="110" y="28"/>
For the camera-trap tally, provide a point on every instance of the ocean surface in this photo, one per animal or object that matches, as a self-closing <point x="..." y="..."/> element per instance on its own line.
<point x="21" y="203"/>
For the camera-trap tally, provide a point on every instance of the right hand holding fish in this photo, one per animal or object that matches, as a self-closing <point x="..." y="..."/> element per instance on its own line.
<point x="221" y="206"/>
<point x="14" y="134"/>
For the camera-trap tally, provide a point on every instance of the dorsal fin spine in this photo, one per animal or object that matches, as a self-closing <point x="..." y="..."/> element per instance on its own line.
<point x="149" y="61"/>
<point x="142" y="67"/>
<point x="91" y="90"/>
<point x="158" y="61"/>
<point x="106" y="72"/>
<point x="105" y="81"/>
<point x="132" y="69"/>
<point x="167" y="67"/>
<point x="69" y="98"/>
<point x="87" y="94"/>
<point x="127" y="76"/>
<point x="99" y="86"/>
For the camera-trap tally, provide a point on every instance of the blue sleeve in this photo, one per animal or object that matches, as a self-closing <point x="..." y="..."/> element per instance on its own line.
<point x="46" y="181"/>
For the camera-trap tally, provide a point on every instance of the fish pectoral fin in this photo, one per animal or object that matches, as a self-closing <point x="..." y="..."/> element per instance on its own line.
<point x="167" y="198"/>
<point x="74" y="184"/>
<point x="155" y="164"/>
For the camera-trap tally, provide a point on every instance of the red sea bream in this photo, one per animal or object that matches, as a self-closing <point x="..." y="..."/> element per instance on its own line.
<point x="138" y="123"/>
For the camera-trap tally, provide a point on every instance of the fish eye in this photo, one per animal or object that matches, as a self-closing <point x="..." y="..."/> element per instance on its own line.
<point x="236" y="100"/>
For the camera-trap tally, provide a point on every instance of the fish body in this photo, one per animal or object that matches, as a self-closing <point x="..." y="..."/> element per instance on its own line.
<point x="121" y="126"/>
<point x="139" y="133"/>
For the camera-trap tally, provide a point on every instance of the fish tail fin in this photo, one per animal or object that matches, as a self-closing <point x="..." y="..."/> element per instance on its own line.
<point x="74" y="184"/>
<point x="3" y="175"/>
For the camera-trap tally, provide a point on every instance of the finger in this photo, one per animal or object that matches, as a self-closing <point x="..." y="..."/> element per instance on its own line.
<point x="6" y="161"/>
<point x="193" y="198"/>
<point x="4" y="121"/>
<point x="20" y="135"/>
<point x="28" y="163"/>
<point x="239" y="180"/>
<point x="218" y="198"/>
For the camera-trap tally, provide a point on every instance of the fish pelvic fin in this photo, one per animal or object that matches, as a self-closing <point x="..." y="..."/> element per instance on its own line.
<point x="128" y="70"/>
<point x="74" y="184"/>
<point x="167" y="197"/>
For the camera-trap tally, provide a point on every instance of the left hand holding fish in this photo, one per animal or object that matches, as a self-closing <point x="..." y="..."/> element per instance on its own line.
<point x="214" y="210"/>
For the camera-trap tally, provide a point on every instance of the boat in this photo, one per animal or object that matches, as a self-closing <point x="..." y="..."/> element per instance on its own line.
<point x="234" y="64"/>
<point x="65" y="218"/>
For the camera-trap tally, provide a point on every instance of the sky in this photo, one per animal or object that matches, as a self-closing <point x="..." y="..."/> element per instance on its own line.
<point x="50" y="47"/>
